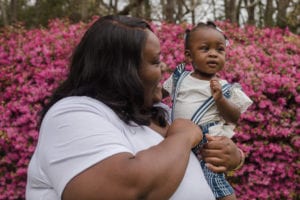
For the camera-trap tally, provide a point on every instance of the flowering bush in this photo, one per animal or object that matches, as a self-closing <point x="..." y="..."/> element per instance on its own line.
<point x="264" y="61"/>
<point x="32" y="63"/>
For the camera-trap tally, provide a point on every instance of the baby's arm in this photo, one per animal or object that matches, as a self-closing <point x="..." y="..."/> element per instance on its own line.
<point x="229" y="111"/>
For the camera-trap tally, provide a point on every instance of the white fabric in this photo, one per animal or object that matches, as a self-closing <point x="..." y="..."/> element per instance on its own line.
<point x="78" y="132"/>
<point x="194" y="92"/>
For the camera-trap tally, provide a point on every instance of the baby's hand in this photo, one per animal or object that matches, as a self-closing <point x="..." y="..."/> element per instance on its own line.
<point x="216" y="89"/>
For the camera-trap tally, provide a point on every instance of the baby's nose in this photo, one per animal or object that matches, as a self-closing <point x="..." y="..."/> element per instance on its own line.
<point x="212" y="52"/>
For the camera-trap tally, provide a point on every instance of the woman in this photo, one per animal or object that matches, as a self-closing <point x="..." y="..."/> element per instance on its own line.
<point x="99" y="137"/>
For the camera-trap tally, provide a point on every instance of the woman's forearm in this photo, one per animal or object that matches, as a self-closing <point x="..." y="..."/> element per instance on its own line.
<point x="154" y="173"/>
<point x="163" y="167"/>
<point x="165" y="164"/>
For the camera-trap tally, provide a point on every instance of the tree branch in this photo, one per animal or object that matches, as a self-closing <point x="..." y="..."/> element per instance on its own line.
<point x="129" y="7"/>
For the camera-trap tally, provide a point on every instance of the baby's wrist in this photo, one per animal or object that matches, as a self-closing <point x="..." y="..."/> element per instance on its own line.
<point x="220" y="99"/>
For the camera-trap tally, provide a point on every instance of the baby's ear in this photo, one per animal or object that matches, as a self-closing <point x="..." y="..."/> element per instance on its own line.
<point x="187" y="55"/>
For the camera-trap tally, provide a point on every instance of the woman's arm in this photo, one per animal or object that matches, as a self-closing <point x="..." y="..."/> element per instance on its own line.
<point x="221" y="154"/>
<point x="154" y="173"/>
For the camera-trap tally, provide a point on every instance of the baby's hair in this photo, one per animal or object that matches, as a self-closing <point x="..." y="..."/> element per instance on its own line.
<point x="208" y="24"/>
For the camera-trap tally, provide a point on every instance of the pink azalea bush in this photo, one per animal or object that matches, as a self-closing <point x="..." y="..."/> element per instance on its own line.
<point x="32" y="63"/>
<point x="265" y="62"/>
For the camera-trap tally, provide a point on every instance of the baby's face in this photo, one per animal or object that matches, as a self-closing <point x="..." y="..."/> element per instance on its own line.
<point x="207" y="51"/>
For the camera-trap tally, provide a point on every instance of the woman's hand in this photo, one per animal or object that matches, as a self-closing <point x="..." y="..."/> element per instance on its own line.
<point x="220" y="154"/>
<point x="187" y="127"/>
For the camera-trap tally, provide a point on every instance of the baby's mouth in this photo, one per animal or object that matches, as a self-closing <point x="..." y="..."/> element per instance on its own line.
<point x="212" y="64"/>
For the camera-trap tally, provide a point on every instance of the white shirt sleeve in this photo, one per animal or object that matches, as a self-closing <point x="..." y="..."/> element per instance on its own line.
<point x="239" y="98"/>
<point x="78" y="137"/>
<point x="168" y="84"/>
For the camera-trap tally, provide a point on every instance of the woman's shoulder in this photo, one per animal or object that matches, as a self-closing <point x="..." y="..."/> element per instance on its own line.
<point x="80" y="104"/>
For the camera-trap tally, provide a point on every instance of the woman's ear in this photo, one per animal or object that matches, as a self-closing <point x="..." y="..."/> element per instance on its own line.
<point x="187" y="54"/>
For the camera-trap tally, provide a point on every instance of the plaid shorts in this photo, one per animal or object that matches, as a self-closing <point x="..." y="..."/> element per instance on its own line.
<point x="217" y="181"/>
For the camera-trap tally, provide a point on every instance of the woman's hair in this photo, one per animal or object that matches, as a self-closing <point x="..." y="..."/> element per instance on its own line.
<point x="200" y="25"/>
<point x="105" y="66"/>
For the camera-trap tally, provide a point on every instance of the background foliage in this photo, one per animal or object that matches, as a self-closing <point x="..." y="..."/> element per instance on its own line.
<point x="264" y="61"/>
<point x="262" y="13"/>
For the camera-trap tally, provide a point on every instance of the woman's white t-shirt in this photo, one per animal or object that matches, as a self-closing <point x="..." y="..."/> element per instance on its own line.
<point x="78" y="132"/>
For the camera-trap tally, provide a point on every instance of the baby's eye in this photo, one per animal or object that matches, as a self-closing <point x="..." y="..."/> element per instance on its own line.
<point x="204" y="48"/>
<point x="221" y="49"/>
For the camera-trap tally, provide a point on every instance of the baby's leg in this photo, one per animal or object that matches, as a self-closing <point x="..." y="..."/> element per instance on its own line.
<point x="218" y="184"/>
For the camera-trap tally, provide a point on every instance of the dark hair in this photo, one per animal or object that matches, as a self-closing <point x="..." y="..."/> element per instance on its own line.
<point x="105" y="66"/>
<point x="200" y="25"/>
